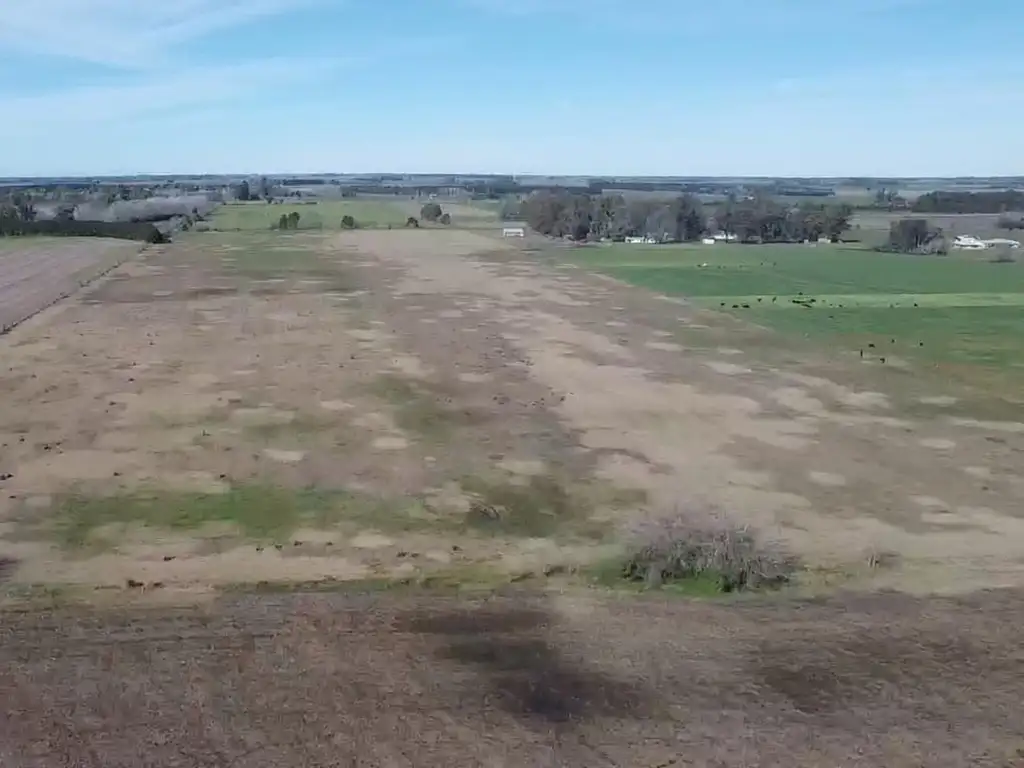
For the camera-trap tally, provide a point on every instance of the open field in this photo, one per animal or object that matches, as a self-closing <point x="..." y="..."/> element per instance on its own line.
<point x="238" y="407"/>
<point x="241" y="413"/>
<point x="326" y="214"/>
<point x="38" y="272"/>
<point x="960" y="316"/>
<point x="370" y="212"/>
<point x="523" y="680"/>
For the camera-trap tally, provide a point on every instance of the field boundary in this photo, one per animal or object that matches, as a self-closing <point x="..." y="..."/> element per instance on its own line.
<point x="105" y="269"/>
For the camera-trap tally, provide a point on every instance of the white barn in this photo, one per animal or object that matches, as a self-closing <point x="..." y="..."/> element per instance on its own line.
<point x="513" y="231"/>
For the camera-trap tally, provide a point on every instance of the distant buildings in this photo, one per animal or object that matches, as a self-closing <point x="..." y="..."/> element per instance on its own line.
<point x="971" y="243"/>
<point x="1001" y="241"/>
<point x="968" y="243"/>
<point x="513" y="231"/>
<point x="639" y="240"/>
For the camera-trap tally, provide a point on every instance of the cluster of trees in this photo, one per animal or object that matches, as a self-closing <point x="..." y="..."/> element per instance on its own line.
<point x="1011" y="222"/>
<point x="288" y="220"/>
<point x="433" y="213"/>
<point x="996" y="201"/>
<point x="916" y="236"/>
<point x="18" y="207"/>
<point x="680" y="219"/>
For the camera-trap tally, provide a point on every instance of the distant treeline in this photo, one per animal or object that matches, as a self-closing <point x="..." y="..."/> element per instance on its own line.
<point x="122" y="230"/>
<point x="970" y="202"/>
<point x="682" y="219"/>
<point x="497" y="188"/>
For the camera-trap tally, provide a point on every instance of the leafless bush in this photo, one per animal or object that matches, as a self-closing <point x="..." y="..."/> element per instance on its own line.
<point x="681" y="547"/>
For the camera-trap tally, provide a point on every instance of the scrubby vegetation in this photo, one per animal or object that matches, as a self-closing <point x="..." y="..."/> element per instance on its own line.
<point x="679" y="549"/>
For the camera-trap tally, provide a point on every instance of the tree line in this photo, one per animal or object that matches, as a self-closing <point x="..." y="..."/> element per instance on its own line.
<point x="680" y="219"/>
<point x="998" y="201"/>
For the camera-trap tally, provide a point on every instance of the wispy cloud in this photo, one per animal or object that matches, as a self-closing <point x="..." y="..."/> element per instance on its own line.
<point x="126" y="33"/>
<point x="183" y="89"/>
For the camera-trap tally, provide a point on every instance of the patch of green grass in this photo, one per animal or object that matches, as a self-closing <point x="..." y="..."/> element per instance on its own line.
<point x="322" y="215"/>
<point x="540" y="507"/>
<point x="259" y="512"/>
<point x="958" y="313"/>
<point x="544" y="505"/>
<point x="609" y="573"/>
<point x="421" y="409"/>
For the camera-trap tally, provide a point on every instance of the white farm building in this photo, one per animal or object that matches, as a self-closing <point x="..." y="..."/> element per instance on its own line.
<point x="513" y="230"/>
<point x="971" y="243"/>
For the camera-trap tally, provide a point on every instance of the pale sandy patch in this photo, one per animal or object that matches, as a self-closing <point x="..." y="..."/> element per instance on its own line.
<point x="827" y="479"/>
<point x="938" y="443"/>
<point x="284" y="456"/>
<point x="726" y="369"/>
<point x="390" y="443"/>
<point x="474" y="378"/>
<point x="938" y="400"/>
<point x="664" y="346"/>
<point x="336" y="405"/>
<point x="371" y="541"/>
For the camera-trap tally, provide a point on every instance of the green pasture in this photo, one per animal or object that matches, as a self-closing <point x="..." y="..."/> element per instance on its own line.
<point x="967" y="316"/>
<point x="326" y="214"/>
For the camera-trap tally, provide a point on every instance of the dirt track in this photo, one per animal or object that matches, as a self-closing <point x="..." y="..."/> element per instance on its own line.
<point x="324" y="680"/>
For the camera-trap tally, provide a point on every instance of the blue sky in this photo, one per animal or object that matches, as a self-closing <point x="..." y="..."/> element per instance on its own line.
<point x="734" y="87"/>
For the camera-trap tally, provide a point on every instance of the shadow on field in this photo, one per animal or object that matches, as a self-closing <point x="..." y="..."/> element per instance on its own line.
<point x="527" y="674"/>
<point x="421" y="679"/>
<point x="8" y="565"/>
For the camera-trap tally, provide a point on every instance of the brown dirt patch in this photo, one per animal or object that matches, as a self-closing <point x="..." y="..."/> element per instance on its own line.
<point x="270" y="680"/>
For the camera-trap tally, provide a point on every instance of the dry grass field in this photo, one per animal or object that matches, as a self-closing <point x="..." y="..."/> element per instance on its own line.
<point x="215" y="458"/>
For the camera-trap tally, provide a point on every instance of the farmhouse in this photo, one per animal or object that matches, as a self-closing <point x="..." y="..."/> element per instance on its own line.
<point x="968" y="243"/>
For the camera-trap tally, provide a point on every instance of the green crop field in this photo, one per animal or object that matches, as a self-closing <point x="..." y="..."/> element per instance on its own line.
<point x="967" y="316"/>
<point x="326" y="214"/>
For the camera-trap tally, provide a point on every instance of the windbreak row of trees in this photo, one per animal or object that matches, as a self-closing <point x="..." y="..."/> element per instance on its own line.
<point x="680" y="219"/>
<point x="997" y="201"/>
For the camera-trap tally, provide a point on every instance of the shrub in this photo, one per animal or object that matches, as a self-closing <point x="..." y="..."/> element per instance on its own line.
<point x="678" y="548"/>
<point x="446" y="219"/>
<point x="431" y="212"/>
<point x="348" y="222"/>
<point x="412" y="221"/>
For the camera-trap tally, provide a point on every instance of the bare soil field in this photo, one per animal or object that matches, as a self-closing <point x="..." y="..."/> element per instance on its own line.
<point x="518" y="680"/>
<point x="36" y="273"/>
<point x="240" y="411"/>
